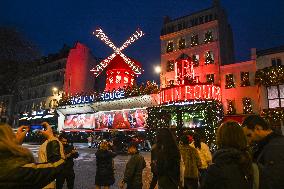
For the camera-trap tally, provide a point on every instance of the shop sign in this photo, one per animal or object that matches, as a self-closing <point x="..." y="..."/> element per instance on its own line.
<point x="113" y="95"/>
<point x="190" y="93"/>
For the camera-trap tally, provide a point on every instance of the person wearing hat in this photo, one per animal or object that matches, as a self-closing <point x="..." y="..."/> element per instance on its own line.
<point x="134" y="168"/>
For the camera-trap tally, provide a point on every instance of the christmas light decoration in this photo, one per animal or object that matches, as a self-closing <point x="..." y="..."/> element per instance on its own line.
<point x="170" y="46"/>
<point x="229" y="81"/>
<point x="247" y="106"/>
<point x="210" y="113"/>
<point x="210" y="78"/>
<point x="194" y="40"/>
<point x="208" y="37"/>
<point x="209" y="59"/>
<point x="181" y="43"/>
<point x="273" y="75"/>
<point x="117" y="51"/>
<point x="231" y="110"/>
<point x="170" y="65"/>
<point x="245" y="79"/>
<point x="195" y="60"/>
<point x="273" y="115"/>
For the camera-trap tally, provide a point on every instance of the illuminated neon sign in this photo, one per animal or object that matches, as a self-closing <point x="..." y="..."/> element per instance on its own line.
<point x="189" y="93"/>
<point x="112" y="95"/>
<point x="82" y="99"/>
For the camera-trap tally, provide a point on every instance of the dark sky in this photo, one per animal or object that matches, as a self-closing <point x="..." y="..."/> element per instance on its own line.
<point x="50" y="24"/>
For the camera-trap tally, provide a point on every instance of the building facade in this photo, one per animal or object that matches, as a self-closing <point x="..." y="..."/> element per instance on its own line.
<point x="205" y="36"/>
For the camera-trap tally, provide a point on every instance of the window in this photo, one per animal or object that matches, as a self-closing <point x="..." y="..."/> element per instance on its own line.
<point x="276" y="62"/>
<point x="231" y="107"/>
<point x="245" y="79"/>
<point x="196" y="78"/>
<point x="275" y="95"/>
<point x="118" y="79"/>
<point x="230" y="81"/>
<point x="195" y="60"/>
<point x="171" y="83"/>
<point x="209" y="58"/>
<point x="170" y="46"/>
<point x="181" y="43"/>
<point x="208" y="37"/>
<point x="194" y="40"/>
<point x="210" y="78"/>
<point x="170" y="66"/>
<point x="247" y="106"/>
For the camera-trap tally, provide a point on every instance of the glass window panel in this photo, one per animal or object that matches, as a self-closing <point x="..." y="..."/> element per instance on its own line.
<point x="272" y="92"/>
<point x="273" y="103"/>
<point x="282" y="102"/>
<point x="281" y="90"/>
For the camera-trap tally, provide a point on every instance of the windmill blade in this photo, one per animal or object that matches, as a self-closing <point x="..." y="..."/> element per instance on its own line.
<point x="138" y="34"/>
<point x="102" y="36"/>
<point x="136" y="69"/>
<point x="103" y="64"/>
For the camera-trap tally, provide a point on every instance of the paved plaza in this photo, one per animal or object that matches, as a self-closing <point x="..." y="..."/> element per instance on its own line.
<point x="85" y="167"/>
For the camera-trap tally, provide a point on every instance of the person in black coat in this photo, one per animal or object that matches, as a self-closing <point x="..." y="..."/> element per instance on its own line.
<point x="105" y="169"/>
<point x="232" y="163"/>
<point x="269" y="151"/>
<point x="168" y="160"/>
<point x="68" y="173"/>
<point x="133" y="170"/>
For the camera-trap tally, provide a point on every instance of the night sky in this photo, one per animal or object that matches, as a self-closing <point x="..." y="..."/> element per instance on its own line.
<point x="50" y="24"/>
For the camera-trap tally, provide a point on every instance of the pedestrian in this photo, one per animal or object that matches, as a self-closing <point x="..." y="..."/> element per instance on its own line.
<point x="168" y="160"/>
<point x="204" y="154"/>
<point x="232" y="163"/>
<point x="192" y="163"/>
<point x="134" y="169"/>
<point x="68" y="173"/>
<point x="105" y="168"/>
<point x="154" y="151"/>
<point x="269" y="153"/>
<point x="18" y="169"/>
<point x="50" y="151"/>
<point x="90" y="141"/>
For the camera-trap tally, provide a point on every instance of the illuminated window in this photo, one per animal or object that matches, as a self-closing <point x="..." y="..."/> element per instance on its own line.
<point x="118" y="79"/>
<point x="111" y="80"/>
<point x="275" y="95"/>
<point x="194" y="40"/>
<point x="247" y="106"/>
<point x="209" y="58"/>
<point x="231" y="107"/>
<point x="125" y="79"/>
<point x="170" y="46"/>
<point x="245" y="79"/>
<point x="195" y="60"/>
<point x="170" y="66"/>
<point x="230" y="81"/>
<point x="210" y="78"/>
<point x="208" y="37"/>
<point x="181" y="43"/>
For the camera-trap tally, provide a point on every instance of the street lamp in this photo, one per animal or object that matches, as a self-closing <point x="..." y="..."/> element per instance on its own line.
<point x="157" y="69"/>
<point x="54" y="89"/>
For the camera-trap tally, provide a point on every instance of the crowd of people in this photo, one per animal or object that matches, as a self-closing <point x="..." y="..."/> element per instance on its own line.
<point x="249" y="156"/>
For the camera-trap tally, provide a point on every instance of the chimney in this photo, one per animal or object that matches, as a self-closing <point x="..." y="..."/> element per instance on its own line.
<point x="253" y="53"/>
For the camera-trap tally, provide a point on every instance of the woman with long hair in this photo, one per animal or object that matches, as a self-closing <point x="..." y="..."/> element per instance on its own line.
<point x="168" y="160"/>
<point x="17" y="165"/>
<point x="105" y="170"/>
<point x="232" y="164"/>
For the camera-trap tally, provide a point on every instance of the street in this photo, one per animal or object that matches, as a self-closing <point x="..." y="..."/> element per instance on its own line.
<point x="85" y="167"/>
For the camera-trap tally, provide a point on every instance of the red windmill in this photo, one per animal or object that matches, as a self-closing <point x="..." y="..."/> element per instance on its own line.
<point x="121" y="70"/>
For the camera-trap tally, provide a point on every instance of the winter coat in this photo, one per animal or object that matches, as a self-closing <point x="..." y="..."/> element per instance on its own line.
<point x="16" y="175"/>
<point x="168" y="169"/>
<point x="68" y="167"/>
<point x="191" y="161"/>
<point x="270" y="160"/>
<point x="105" y="169"/>
<point x="225" y="172"/>
<point x="51" y="151"/>
<point x="133" y="171"/>
<point x="204" y="154"/>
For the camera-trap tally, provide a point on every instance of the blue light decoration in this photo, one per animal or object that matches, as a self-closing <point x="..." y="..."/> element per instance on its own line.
<point x="113" y="95"/>
<point x="82" y="99"/>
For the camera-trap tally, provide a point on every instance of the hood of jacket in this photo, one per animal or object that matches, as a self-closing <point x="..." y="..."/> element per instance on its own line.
<point x="227" y="156"/>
